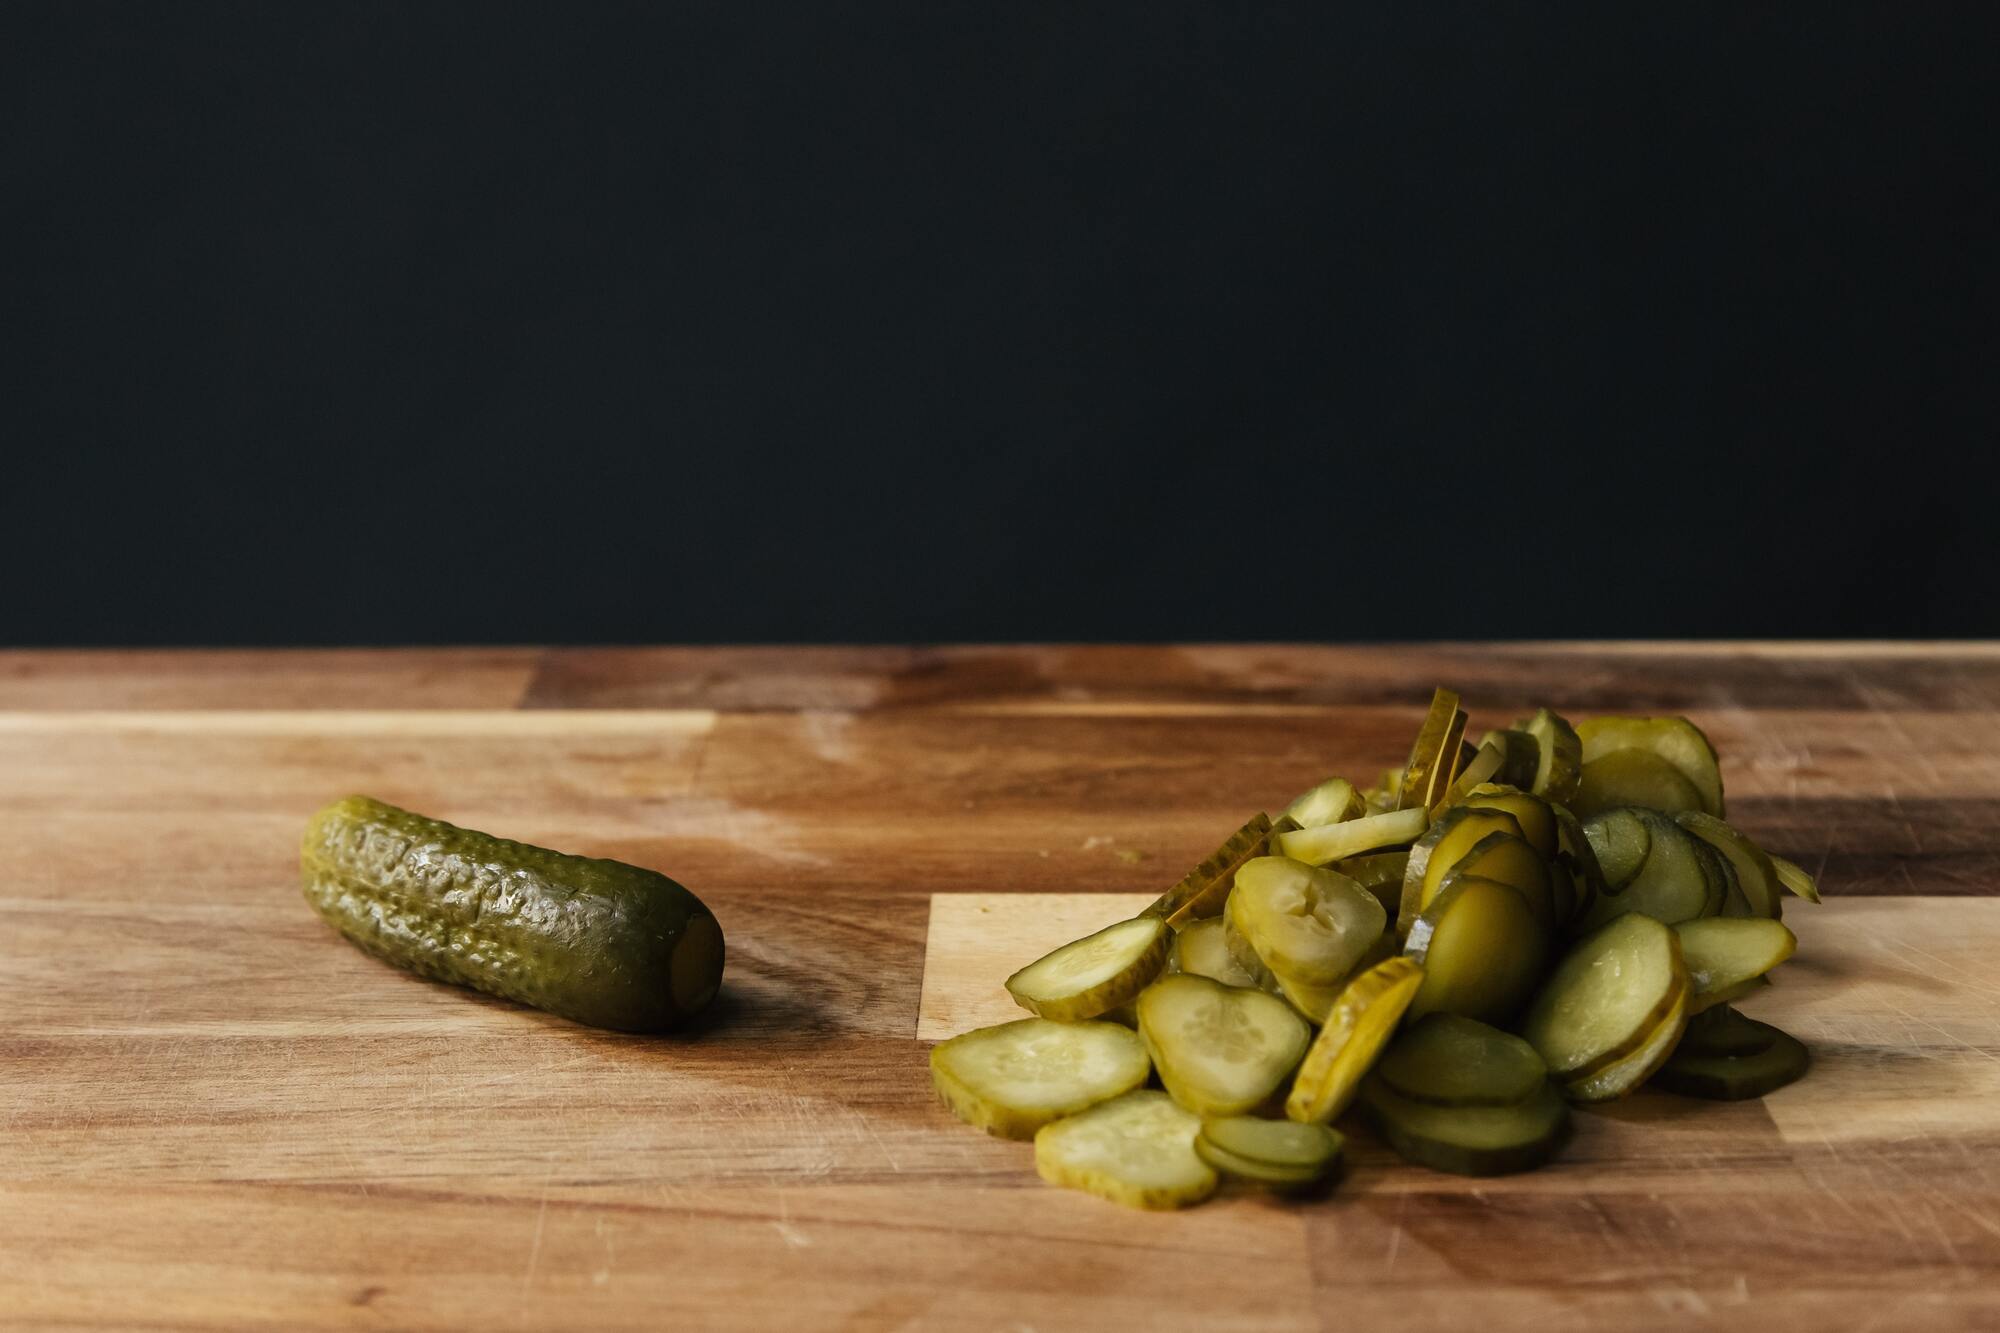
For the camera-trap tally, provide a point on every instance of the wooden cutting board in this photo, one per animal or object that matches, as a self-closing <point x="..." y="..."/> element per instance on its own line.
<point x="214" y="1113"/>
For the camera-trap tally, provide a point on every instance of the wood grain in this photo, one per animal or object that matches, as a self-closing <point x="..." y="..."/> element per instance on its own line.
<point x="214" y="1113"/>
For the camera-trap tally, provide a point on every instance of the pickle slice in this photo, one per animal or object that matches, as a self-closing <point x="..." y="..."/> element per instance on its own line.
<point x="1450" y="1060"/>
<point x="1329" y="803"/>
<point x="1219" y="1050"/>
<point x="1356" y="1029"/>
<point x="1510" y="861"/>
<point x="1757" y="886"/>
<point x="1307" y="924"/>
<point x="1559" y="765"/>
<point x="1428" y="751"/>
<point x="1284" y="1153"/>
<point x="1609" y="993"/>
<point x="1480" y="769"/>
<point x="1637" y="778"/>
<point x="1482" y="949"/>
<point x="1674" y="739"/>
<point x="1721" y="1030"/>
<point x="1137" y="1150"/>
<point x="1723" y="953"/>
<point x="1336" y="842"/>
<point x="1621" y="842"/>
<point x="1012" y="1079"/>
<point x="1727" y="995"/>
<point x="1731" y="1078"/>
<point x="1535" y="816"/>
<point x="1620" y="1077"/>
<point x="1795" y="879"/>
<point x="1202" y="950"/>
<point x="1381" y="873"/>
<point x="1441" y="848"/>
<point x="1215" y="869"/>
<point x="1674" y="885"/>
<point x="1316" y="1002"/>
<point x="1520" y="757"/>
<point x="1451" y="757"/>
<point x="1084" y="978"/>
<point x="1470" y="1140"/>
<point x="1245" y="957"/>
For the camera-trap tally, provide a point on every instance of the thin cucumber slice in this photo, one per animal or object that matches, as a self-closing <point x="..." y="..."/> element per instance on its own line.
<point x="1202" y="950"/>
<point x="1381" y="873"/>
<point x="1609" y="993"/>
<point x="1637" y="778"/>
<point x="1084" y="978"/>
<point x="1521" y="757"/>
<point x="1444" y="843"/>
<point x="1137" y="1150"/>
<point x="1795" y="879"/>
<point x="1216" y="869"/>
<point x="1621" y="841"/>
<point x="1356" y="1029"/>
<point x="1482" y="948"/>
<point x="1674" y="739"/>
<point x="1674" y="885"/>
<point x="1723" y="953"/>
<point x="1309" y="925"/>
<point x="1428" y="751"/>
<point x="1336" y="842"/>
<point x="1219" y="1050"/>
<point x="1757" y="883"/>
<point x="1729" y="1078"/>
<point x="1619" y="1078"/>
<point x="1281" y="1153"/>
<point x="1012" y="1079"/>
<point x="1509" y="860"/>
<point x="1477" y="771"/>
<point x="1535" y="816"/>
<point x="1560" y="765"/>
<point x="1449" y="1060"/>
<point x="1722" y="1030"/>
<point x="1470" y="1140"/>
<point x="1330" y="802"/>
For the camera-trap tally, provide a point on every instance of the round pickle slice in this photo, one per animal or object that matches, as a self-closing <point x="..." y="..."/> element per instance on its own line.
<point x="1729" y="1078"/>
<point x="1308" y="925"/>
<point x="1722" y="1030"/>
<point x="1202" y="950"/>
<point x="1329" y="803"/>
<point x="1219" y="1050"/>
<point x="1099" y="972"/>
<point x="1012" y="1079"/>
<point x="1676" y="884"/>
<point x="1609" y="993"/>
<point x="1470" y="1140"/>
<point x="1279" y="1153"/>
<point x="1757" y="889"/>
<point x="1441" y="848"/>
<point x="1359" y="1024"/>
<point x="1137" y="1150"/>
<point x="1722" y="952"/>
<point x="1622" y="1076"/>
<point x="1450" y="1060"/>
<point x="1560" y="765"/>
<point x="1634" y="778"/>
<point x="1482" y="948"/>
<point x="1675" y="739"/>
<point x="1621" y="841"/>
<point x="1535" y="817"/>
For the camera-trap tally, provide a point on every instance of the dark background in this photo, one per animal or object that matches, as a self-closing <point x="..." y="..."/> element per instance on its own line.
<point x="859" y="321"/>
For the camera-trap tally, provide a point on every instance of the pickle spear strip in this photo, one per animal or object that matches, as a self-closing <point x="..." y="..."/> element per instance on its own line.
<point x="1429" y="752"/>
<point x="1012" y="1079"/>
<point x="1359" y="1024"/>
<point x="1449" y="1060"/>
<point x="1216" y="868"/>
<point x="1795" y="879"/>
<point x="1086" y="977"/>
<point x="1609" y="993"/>
<point x="1470" y="1140"/>
<point x="1219" y="1050"/>
<point x="1336" y="842"/>
<point x="1481" y="769"/>
<point x="1137" y="1150"/>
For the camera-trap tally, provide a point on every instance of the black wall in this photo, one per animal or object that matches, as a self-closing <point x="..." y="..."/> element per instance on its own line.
<point x="864" y="321"/>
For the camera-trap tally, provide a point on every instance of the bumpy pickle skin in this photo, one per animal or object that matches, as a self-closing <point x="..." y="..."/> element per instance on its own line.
<point x="594" y="941"/>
